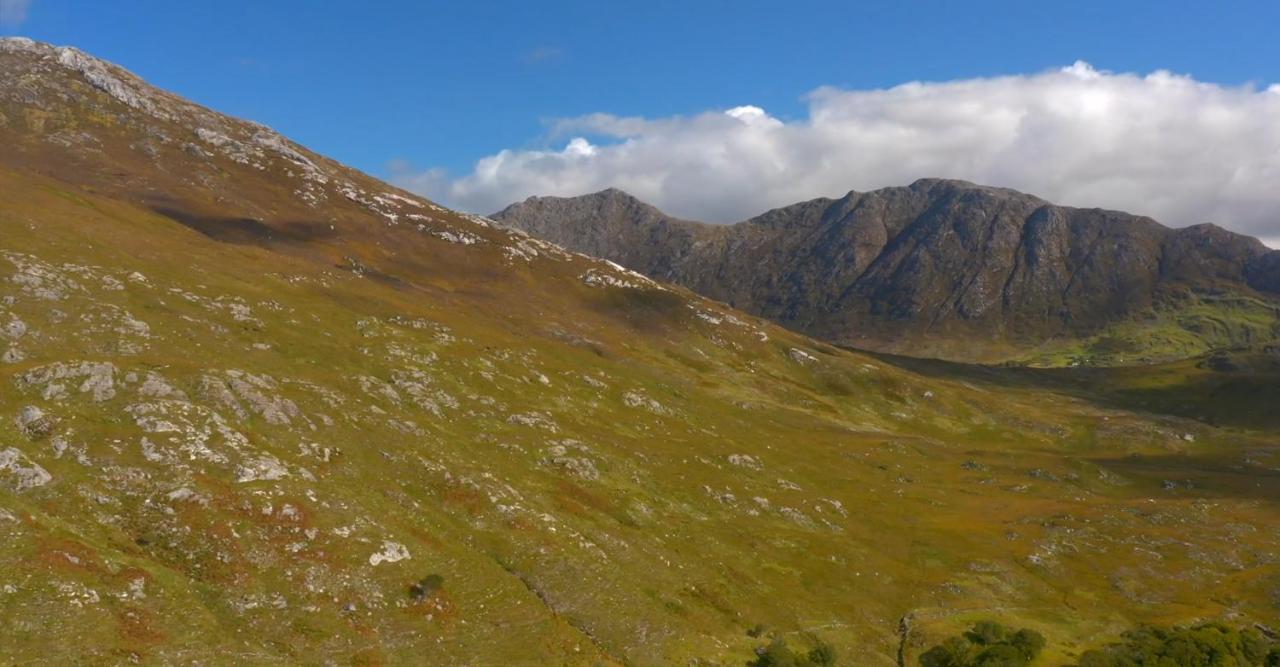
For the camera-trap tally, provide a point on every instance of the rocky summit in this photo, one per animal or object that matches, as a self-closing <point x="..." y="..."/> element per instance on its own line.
<point x="259" y="408"/>
<point x="949" y="269"/>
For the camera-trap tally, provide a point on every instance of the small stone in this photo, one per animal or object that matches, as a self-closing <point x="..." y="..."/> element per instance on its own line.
<point x="34" y="423"/>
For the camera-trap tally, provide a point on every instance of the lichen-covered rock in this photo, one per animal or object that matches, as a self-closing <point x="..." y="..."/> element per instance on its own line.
<point x="746" y="461"/>
<point x="215" y="390"/>
<point x="156" y="386"/>
<point x="39" y="279"/>
<point x="578" y="466"/>
<point x="95" y="378"/>
<point x="194" y="431"/>
<point x="534" y="419"/>
<point x="20" y="473"/>
<point x="801" y="357"/>
<point x="34" y="423"/>
<point x="636" y="399"/>
<point x="14" y="328"/>
<point x="253" y="390"/>
<point x="391" y="552"/>
<point x="261" y="467"/>
<point x="418" y="385"/>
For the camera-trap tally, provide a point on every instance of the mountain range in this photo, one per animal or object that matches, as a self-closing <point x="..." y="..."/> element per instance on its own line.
<point x="257" y="407"/>
<point x="949" y="269"/>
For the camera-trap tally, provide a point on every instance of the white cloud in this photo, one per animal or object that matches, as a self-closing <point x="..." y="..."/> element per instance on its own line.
<point x="1164" y="145"/>
<point x="13" y="12"/>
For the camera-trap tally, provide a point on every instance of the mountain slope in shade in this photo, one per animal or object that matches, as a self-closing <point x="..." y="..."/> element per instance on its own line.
<point x="259" y="408"/>
<point x="948" y="268"/>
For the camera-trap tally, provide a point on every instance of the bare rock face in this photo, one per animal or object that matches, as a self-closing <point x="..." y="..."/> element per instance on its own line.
<point x="19" y="473"/>
<point x="902" y="268"/>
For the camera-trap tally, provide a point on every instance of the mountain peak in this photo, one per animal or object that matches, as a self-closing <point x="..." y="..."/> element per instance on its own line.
<point x="959" y="185"/>
<point x="119" y="83"/>
<point x="935" y="181"/>
<point x="935" y="262"/>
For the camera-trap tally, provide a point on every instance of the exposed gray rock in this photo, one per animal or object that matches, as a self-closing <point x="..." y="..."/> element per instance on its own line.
<point x="558" y="456"/>
<point x="636" y="399"/>
<point x="155" y="386"/>
<point x="14" y="329"/>
<point x="801" y="357"/>
<point x="34" y="423"/>
<point x="215" y="390"/>
<point x="534" y="419"/>
<point x="39" y="279"/>
<point x="261" y="467"/>
<point x="193" y="430"/>
<point x="576" y="465"/>
<point x="95" y="378"/>
<point x="20" y="473"/>
<point x="252" y="389"/>
<point x="391" y="552"/>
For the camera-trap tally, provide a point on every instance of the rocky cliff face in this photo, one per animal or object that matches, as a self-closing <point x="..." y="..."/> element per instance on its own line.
<point x="940" y="266"/>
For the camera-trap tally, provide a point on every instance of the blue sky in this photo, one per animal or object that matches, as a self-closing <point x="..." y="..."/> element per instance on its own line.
<point x="442" y="84"/>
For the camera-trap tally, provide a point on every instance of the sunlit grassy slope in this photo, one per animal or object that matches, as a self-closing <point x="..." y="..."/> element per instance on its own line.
<point x="232" y="436"/>
<point x="1187" y="325"/>
<point x="250" y="400"/>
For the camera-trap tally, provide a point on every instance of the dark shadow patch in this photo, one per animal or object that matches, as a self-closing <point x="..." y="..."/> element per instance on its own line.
<point x="647" y="310"/>
<point x="1200" y="476"/>
<point x="1239" y="398"/>
<point x="247" y="231"/>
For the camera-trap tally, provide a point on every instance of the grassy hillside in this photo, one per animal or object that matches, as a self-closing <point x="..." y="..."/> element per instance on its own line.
<point x="253" y="454"/>
<point x="1183" y="326"/>
<point x="258" y="408"/>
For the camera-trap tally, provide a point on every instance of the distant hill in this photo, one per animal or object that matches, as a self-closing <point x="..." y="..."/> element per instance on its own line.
<point x="950" y="269"/>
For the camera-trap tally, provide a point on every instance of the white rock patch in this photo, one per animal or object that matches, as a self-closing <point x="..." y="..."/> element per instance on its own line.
<point x="391" y="552"/>
<point x="20" y="472"/>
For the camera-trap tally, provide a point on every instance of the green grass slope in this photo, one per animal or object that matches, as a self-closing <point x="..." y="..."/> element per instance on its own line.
<point x="257" y="408"/>
<point x="244" y="453"/>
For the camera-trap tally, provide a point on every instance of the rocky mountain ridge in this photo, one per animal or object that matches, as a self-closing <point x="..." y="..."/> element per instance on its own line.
<point x="945" y="267"/>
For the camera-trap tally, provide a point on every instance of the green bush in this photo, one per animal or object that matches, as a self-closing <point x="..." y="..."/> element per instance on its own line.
<point x="986" y="644"/>
<point x="778" y="654"/>
<point x="1206" y="645"/>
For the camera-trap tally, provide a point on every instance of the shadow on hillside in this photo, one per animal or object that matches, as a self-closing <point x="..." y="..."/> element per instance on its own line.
<point x="1244" y="398"/>
<point x="1201" y="476"/>
<point x="247" y="231"/>
<point x="648" y="310"/>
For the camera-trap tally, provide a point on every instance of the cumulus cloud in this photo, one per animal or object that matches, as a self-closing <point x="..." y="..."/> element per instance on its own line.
<point x="13" y="12"/>
<point x="1165" y="145"/>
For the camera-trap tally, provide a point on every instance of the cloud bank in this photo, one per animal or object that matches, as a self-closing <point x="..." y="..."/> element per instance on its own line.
<point x="13" y="12"/>
<point x="1164" y="145"/>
